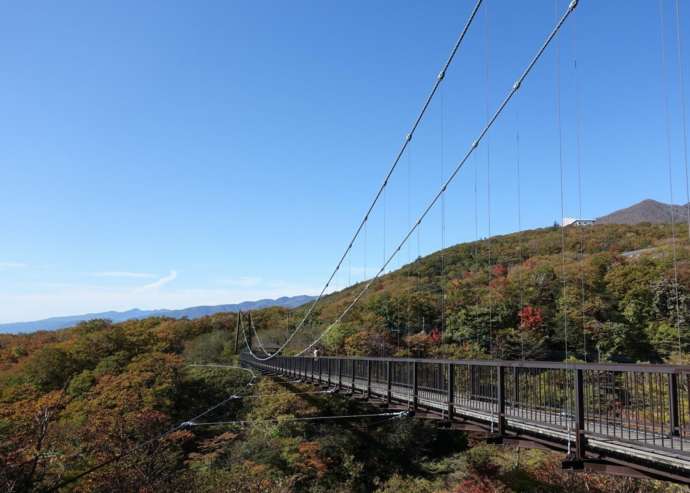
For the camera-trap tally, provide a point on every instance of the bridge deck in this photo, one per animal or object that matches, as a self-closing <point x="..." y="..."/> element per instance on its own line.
<point x="617" y="435"/>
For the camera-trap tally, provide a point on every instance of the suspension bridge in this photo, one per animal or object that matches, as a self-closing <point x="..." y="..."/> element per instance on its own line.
<point x="625" y="419"/>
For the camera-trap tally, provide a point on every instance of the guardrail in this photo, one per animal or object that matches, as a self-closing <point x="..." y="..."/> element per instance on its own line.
<point x="647" y="406"/>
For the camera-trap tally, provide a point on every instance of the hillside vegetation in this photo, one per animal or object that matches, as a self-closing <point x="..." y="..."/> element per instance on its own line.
<point x="74" y="398"/>
<point x="618" y="299"/>
<point x="107" y="394"/>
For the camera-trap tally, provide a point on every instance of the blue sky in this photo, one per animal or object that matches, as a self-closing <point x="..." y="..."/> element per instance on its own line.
<point x="167" y="155"/>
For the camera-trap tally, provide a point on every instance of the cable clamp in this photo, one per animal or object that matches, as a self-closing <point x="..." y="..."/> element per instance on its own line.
<point x="475" y="144"/>
<point x="572" y="5"/>
<point x="517" y="84"/>
<point x="441" y="75"/>
<point x="187" y="424"/>
<point x="408" y="137"/>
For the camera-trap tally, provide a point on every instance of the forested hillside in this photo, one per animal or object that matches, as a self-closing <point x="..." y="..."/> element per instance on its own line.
<point x="102" y="394"/>
<point x="74" y="399"/>
<point x="614" y="289"/>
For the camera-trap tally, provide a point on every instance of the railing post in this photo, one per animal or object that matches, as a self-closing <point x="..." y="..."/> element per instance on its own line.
<point x="474" y="383"/>
<point x="389" y="378"/>
<point x="501" y="400"/>
<point x="329" y="372"/>
<point x="312" y="370"/>
<point x="451" y="389"/>
<point x="516" y="387"/>
<point x="579" y="415"/>
<point x="415" y="400"/>
<point x="353" y="376"/>
<point x="673" y="403"/>
<point x="340" y="373"/>
<point x="368" y="378"/>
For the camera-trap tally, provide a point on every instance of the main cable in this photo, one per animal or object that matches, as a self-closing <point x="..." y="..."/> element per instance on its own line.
<point x="408" y="138"/>
<point x="516" y="86"/>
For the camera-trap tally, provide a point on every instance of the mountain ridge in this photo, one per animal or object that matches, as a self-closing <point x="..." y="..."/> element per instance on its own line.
<point x="54" y="323"/>
<point x="645" y="211"/>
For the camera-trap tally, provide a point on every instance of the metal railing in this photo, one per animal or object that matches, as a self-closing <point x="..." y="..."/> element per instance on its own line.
<point x="646" y="406"/>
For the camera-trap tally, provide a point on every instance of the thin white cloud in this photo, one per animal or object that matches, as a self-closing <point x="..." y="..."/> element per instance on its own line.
<point x="12" y="265"/>
<point x="124" y="274"/>
<point x="160" y="282"/>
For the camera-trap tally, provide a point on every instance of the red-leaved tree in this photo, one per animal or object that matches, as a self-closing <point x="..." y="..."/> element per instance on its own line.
<point x="530" y="317"/>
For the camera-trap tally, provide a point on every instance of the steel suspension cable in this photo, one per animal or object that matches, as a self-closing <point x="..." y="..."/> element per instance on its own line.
<point x="681" y="84"/>
<point x="349" y="271"/>
<point x="408" y="315"/>
<point x="408" y="138"/>
<point x="409" y="202"/>
<point x="443" y="222"/>
<point x="385" y="212"/>
<point x="476" y="235"/>
<point x="305" y="418"/>
<point x="519" y="220"/>
<point x="256" y="334"/>
<point x="516" y="86"/>
<point x="487" y="81"/>
<point x="492" y="347"/>
<point x="366" y="241"/>
<point x="562" y="184"/>
<point x="568" y="399"/>
<point x="578" y="156"/>
<point x="667" y="127"/>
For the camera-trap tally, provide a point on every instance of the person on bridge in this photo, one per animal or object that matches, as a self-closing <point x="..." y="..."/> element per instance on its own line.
<point x="316" y="355"/>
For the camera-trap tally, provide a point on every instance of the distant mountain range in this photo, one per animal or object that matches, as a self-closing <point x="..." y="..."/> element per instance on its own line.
<point x="192" y="312"/>
<point x="647" y="211"/>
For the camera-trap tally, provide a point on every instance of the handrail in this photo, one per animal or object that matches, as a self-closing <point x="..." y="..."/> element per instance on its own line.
<point x="643" y="367"/>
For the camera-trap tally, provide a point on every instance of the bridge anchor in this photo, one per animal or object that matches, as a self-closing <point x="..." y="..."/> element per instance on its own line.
<point x="494" y="439"/>
<point x="572" y="462"/>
